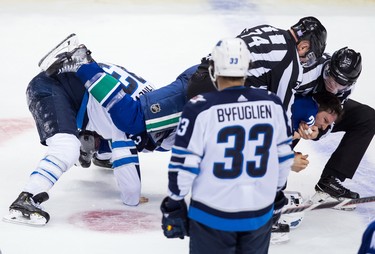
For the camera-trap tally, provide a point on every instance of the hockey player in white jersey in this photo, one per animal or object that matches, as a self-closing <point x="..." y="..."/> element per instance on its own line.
<point x="232" y="149"/>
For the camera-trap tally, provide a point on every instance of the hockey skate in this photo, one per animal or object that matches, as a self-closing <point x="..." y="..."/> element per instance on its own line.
<point x="67" y="45"/>
<point x="280" y="233"/>
<point x="26" y="209"/>
<point x="295" y="200"/>
<point x="103" y="163"/>
<point x="330" y="189"/>
<point x="70" y="61"/>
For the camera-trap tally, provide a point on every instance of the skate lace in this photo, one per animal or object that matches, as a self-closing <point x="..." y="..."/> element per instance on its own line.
<point x="72" y="67"/>
<point x="75" y="60"/>
<point x="37" y="205"/>
<point x="338" y="184"/>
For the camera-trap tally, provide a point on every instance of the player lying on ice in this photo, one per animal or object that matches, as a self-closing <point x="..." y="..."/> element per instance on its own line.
<point x="60" y="108"/>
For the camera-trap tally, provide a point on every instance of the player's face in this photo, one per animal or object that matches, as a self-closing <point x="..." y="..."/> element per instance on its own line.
<point x="323" y="119"/>
<point x="306" y="57"/>
<point x="332" y="86"/>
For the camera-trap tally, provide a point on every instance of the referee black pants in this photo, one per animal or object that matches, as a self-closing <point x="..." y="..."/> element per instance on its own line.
<point x="358" y="123"/>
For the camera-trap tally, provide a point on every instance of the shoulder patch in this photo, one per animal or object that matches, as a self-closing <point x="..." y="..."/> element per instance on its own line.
<point x="197" y="98"/>
<point x="155" y="108"/>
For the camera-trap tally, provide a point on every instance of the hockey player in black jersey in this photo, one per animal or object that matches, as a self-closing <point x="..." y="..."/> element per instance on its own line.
<point x="232" y="149"/>
<point x="338" y="75"/>
<point x="276" y="57"/>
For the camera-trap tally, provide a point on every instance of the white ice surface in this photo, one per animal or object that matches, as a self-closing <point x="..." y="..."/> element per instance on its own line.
<point x="158" y="40"/>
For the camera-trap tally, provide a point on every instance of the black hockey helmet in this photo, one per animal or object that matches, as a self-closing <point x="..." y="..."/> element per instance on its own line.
<point x="345" y="66"/>
<point x="310" y="28"/>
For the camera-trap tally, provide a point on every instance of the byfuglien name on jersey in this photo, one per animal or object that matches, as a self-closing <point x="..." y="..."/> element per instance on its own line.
<point x="243" y="112"/>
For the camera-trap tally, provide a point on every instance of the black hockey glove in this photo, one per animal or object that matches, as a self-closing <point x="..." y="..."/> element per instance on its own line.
<point x="280" y="201"/>
<point x="89" y="145"/>
<point x="174" y="222"/>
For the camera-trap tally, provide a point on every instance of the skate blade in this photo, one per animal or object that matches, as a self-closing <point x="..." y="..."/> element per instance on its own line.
<point x="17" y="217"/>
<point x="279" y="238"/>
<point x="322" y="197"/>
<point x="66" y="45"/>
<point x="294" y="220"/>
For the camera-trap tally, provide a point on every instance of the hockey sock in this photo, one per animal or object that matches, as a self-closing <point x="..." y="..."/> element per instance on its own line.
<point x="45" y="175"/>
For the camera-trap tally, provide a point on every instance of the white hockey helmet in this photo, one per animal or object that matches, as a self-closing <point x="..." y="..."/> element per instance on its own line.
<point x="230" y="58"/>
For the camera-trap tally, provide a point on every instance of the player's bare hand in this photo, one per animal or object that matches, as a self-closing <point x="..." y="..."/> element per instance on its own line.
<point x="300" y="162"/>
<point x="307" y="132"/>
<point x="143" y="200"/>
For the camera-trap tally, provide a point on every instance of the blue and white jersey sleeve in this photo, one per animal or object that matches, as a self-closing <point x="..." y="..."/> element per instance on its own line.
<point x="186" y="153"/>
<point x="133" y="85"/>
<point x="124" y="153"/>
<point x="284" y="152"/>
<point x="126" y="169"/>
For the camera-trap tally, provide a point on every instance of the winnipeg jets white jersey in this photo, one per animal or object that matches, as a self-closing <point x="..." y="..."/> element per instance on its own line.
<point x="124" y="153"/>
<point x="232" y="149"/>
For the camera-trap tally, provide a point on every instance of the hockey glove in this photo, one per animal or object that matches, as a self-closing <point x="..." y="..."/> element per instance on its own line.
<point x="89" y="145"/>
<point x="174" y="221"/>
<point x="280" y="201"/>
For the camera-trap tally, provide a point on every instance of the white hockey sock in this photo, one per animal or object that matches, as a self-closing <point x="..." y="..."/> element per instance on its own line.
<point x="45" y="175"/>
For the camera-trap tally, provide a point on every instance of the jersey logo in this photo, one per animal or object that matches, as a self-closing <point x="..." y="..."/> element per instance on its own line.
<point x="197" y="98"/>
<point x="242" y="98"/>
<point x="155" y="108"/>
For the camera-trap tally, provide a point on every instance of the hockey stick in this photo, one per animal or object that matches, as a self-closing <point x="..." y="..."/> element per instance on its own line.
<point x="333" y="204"/>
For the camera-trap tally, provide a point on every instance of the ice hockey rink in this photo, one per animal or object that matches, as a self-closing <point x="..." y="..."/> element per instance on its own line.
<point x="158" y="39"/>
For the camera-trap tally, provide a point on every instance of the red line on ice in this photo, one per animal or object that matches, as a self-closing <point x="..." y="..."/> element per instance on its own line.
<point x="116" y="221"/>
<point x="10" y="127"/>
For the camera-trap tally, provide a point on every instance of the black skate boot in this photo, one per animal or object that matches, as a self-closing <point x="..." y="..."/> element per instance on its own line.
<point x="26" y="209"/>
<point x="101" y="163"/>
<point x="330" y="189"/>
<point x="70" y="61"/>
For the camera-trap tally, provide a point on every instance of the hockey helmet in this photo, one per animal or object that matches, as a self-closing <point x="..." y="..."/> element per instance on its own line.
<point x="230" y="58"/>
<point x="345" y="66"/>
<point x="310" y="28"/>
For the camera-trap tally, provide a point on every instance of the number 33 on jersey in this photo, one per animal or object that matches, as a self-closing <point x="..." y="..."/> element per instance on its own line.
<point x="237" y="142"/>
